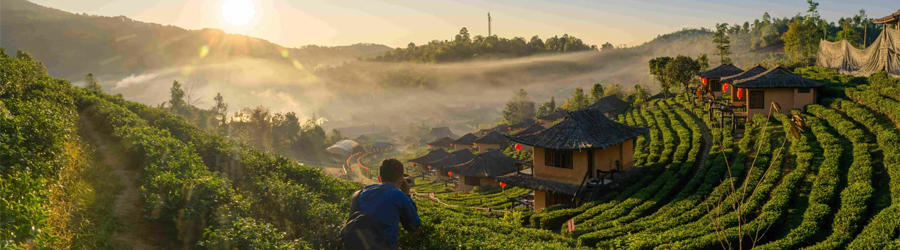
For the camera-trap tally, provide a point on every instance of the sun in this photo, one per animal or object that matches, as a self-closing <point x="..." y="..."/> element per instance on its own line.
<point x="237" y="12"/>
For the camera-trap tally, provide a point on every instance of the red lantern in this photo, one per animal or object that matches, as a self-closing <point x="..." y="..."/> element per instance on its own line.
<point x="540" y="120"/>
<point x="703" y="80"/>
<point x="740" y="93"/>
<point x="429" y="167"/>
<point x="503" y="185"/>
<point x="508" y="128"/>
<point x="724" y="87"/>
<point x="450" y="173"/>
<point x="474" y="144"/>
<point x="518" y="146"/>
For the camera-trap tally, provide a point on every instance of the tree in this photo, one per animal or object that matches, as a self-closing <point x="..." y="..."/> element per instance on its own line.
<point x="578" y="100"/>
<point x="640" y="95"/>
<point x="682" y="71"/>
<point x="703" y="61"/>
<point x="606" y="46"/>
<point x="463" y="36"/>
<point x="176" y="102"/>
<point x="220" y="108"/>
<point x="597" y="92"/>
<point x="91" y="83"/>
<point x="260" y="127"/>
<point x="614" y="89"/>
<point x="519" y="108"/>
<point x="546" y="108"/>
<point x="723" y="44"/>
<point x="658" y="70"/>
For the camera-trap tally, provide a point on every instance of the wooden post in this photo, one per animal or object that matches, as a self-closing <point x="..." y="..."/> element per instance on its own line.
<point x="865" y="34"/>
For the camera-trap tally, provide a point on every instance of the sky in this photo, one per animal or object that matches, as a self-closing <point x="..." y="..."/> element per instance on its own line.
<point x="396" y="23"/>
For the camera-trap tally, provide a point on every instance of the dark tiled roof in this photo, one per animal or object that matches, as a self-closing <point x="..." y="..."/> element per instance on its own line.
<point x="721" y="71"/>
<point x="455" y="158"/>
<point x="362" y="138"/>
<point x="889" y="18"/>
<point x="439" y="132"/>
<point x="493" y="137"/>
<point x="558" y="114"/>
<point x="777" y="77"/>
<point x="523" y="124"/>
<point x="502" y="128"/>
<point x="609" y="103"/>
<point x="441" y="142"/>
<point x="431" y="156"/>
<point x="531" y="129"/>
<point x="582" y="129"/>
<point x="747" y="74"/>
<point x="492" y="163"/>
<point x="529" y="182"/>
<point x="465" y="139"/>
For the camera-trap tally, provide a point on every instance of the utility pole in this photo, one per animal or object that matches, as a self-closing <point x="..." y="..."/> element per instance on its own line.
<point x="865" y="34"/>
<point x="489" y="24"/>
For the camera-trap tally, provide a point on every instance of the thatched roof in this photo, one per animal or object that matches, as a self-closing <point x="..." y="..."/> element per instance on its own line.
<point x="455" y="158"/>
<point x="535" y="127"/>
<point x="529" y="182"/>
<point x="465" y="139"/>
<point x="556" y="115"/>
<point x="746" y="74"/>
<point x="443" y="142"/>
<point x="609" y="103"/>
<point x="492" y="137"/>
<point x="721" y="71"/>
<point x="492" y="163"/>
<point x="777" y="77"/>
<point x="439" y="132"/>
<point x="893" y="17"/>
<point x="431" y="156"/>
<point x="502" y="128"/>
<point x="582" y="129"/>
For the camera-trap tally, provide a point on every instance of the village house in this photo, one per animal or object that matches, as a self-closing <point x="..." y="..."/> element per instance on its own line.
<point x="534" y="128"/>
<point x="492" y="140"/>
<point x="738" y="98"/>
<point x="431" y="156"/>
<point x="585" y="147"/>
<point x="482" y="169"/>
<point x="443" y="142"/>
<point x="457" y="157"/>
<point x="777" y="85"/>
<point x="548" y="120"/>
<point x="464" y="142"/>
<point x="522" y="124"/>
<point x="610" y="105"/>
<point x="712" y="79"/>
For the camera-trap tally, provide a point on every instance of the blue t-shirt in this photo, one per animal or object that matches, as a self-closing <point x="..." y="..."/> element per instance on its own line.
<point x="389" y="207"/>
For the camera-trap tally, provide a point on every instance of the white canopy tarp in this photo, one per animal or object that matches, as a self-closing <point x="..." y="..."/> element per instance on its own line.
<point x="344" y="147"/>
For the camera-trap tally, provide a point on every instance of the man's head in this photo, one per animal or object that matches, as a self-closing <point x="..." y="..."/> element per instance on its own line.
<point x="391" y="171"/>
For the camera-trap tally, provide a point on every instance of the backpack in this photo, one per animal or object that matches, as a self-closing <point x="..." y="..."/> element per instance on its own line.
<point x="360" y="232"/>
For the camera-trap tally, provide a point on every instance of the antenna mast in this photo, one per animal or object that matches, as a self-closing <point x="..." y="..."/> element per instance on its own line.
<point x="489" y="24"/>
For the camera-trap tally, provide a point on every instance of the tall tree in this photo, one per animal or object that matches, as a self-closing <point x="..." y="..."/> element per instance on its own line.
<point x="260" y="123"/>
<point x="546" y="108"/>
<point x="614" y="89"/>
<point x="723" y="44"/>
<point x="703" y="61"/>
<point x="606" y="46"/>
<point x="519" y="108"/>
<point x="220" y="108"/>
<point x="176" y="102"/>
<point x="683" y="71"/>
<point x="597" y="92"/>
<point x="91" y="83"/>
<point x="579" y="100"/>
<point x="658" y="70"/>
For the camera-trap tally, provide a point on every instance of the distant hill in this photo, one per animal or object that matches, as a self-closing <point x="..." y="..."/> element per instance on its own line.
<point x="72" y="45"/>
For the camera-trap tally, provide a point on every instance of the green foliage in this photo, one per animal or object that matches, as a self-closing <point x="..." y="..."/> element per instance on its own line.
<point x="682" y="71"/>
<point x="578" y="100"/>
<point x="723" y="44"/>
<point x="546" y="108"/>
<point x="658" y="70"/>
<point x="519" y="108"/>
<point x="597" y="92"/>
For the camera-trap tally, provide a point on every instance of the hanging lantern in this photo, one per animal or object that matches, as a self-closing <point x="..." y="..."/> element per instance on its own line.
<point x="429" y="167"/>
<point x="474" y="144"/>
<point x="703" y="80"/>
<point x="502" y="184"/>
<point x="540" y="120"/>
<point x="450" y="173"/>
<point x="725" y="87"/>
<point x="518" y="147"/>
<point x="508" y="128"/>
<point x="740" y="93"/>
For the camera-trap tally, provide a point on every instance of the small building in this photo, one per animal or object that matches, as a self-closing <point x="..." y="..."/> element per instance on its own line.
<point x="583" y="146"/>
<point x="383" y="144"/>
<point x="438" y="132"/>
<point x="492" y="140"/>
<point x="443" y="142"/>
<point x="736" y="99"/>
<point x="482" y="169"/>
<point x="549" y="119"/>
<point x="343" y="148"/>
<point x="610" y="105"/>
<point x="522" y="124"/>
<point x="431" y="156"/>
<point x="464" y="142"/>
<point x="534" y="128"/>
<point x="502" y="128"/>
<point x="777" y="85"/>
<point x="455" y="158"/>
<point x="711" y="79"/>
<point x="362" y="139"/>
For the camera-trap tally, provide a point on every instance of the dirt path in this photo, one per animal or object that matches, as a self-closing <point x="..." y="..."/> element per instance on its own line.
<point x="138" y="233"/>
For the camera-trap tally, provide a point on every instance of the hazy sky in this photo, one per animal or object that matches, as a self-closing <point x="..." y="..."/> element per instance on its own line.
<point x="398" y="22"/>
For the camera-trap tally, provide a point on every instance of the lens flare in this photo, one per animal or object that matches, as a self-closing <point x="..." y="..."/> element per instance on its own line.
<point x="238" y="12"/>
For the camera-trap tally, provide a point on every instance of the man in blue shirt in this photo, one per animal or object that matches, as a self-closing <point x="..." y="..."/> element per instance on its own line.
<point x="388" y="203"/>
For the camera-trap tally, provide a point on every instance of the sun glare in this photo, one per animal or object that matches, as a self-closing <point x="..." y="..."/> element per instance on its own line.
<point x="237" y="12"/>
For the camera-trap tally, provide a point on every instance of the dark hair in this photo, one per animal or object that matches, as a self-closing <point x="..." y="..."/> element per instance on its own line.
<point x="391" y="170"/>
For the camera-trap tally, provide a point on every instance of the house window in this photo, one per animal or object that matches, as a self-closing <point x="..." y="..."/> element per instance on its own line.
<point x="715" y="86"/>
<point x="803" y="90"/>
<point x="558" y="158"/>
<point x="757" y="99"/>
<point x="471" y="181"/>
